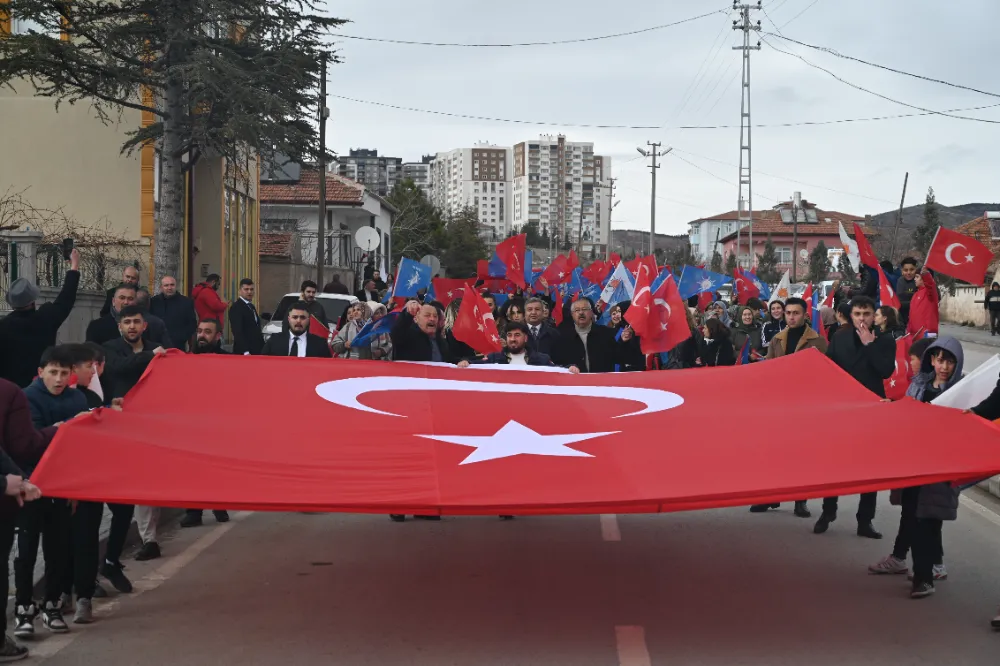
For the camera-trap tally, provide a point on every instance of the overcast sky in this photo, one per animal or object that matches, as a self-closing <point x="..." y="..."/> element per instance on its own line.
<point x="653" y="79"/>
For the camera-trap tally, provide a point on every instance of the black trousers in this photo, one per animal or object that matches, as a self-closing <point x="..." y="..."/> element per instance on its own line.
<point x="46" y="519"/>
<point x="908" y="526"/>
<point x="866" y="509"/>
<point x="8" y="526"/>
<point x="121" y="520"/>
<point x="995" y="321"/>
<point x="83" y="556"/>
<point x="927" y="549"/>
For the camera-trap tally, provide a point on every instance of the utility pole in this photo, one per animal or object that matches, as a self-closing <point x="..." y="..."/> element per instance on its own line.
<point x="324" y="113"/>
<point x="899" y="217"/>
<point x="653" y="153"/>
<point x="744" y="215"/>
<point x="796" y="205"/>
<point x="611" y="207"/>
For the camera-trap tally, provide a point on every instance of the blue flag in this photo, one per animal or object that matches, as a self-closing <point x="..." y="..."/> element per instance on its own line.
<point x="591" y="290"/>
<point x="387" y="297"/>
<point x="497" y="269"/>
<point x="696" y="280"/>
<point x="500" y="299"/>
<point x="765" y="290"/>
<point x="744" y="358"/>
<point x="817" y="319"/>
<point x="374" y="328"/>
<point x="411" y="277"/>
<point x="575" y="282"/>
<point x="528" y="273"/>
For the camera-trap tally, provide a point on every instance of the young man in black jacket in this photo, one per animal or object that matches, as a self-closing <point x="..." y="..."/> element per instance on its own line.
<point x="870" y="357"/>
<point x="244" y="321"/>
<point x="296" y="340"/>
<point x="518" y="352"/>
<point x="105" y="328"/>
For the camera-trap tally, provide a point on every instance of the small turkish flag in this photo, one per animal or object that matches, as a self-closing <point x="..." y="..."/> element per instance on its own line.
<point x="572" y="261"/>
<point x="475" y="326"/>
<point x="745" y="288"/>
<point x="596" y="272"/>
<point x="557" y="309"/>
<point x="886" y="295"/>
<point x="667" y="324"/>
<point x="807" y="296"/>
<point x="896" y="385"/>
<point x="868" y="257"/>
<point x="615" y="258"/>
<point x="639" y="315"/>
<point x="316" y="327"/>
<point x="557" y="272"/>
<point x="511" y="253"/>
<point x="448" y="289"/>
<point x="959" y="256"/>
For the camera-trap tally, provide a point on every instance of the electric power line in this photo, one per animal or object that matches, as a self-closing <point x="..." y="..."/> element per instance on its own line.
<point x="844" y="56"/>
<point x="712" y="52"/>
<point x="578" y="40"/>
<point x="876" y="94"/>
<point x="804" y="123"/>
<point x="718" y="177"/>
<point x="808" y="7"/>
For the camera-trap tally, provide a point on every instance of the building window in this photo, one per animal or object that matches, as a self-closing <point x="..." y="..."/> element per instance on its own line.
<point x="784" y="255"/>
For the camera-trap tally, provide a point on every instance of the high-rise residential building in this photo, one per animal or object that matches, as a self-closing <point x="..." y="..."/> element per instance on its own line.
<point x="378" y="174"/>
<point x="477" y="177"/>
<point x="419" y="173"/>
<point x="560" y="185"/>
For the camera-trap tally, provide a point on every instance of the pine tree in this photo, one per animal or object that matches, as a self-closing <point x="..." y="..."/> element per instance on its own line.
<point x="730" y="263"/>
<point x="227" y="78"/>
<point x="847" y="273"/>
<point x="767" y="263"/>
<point x="923" y="235"/>
<point x="532" y="237"/>
<point x="819" y="264"/>
<point x="463" y="245"/>
<point x="716" y="264"/>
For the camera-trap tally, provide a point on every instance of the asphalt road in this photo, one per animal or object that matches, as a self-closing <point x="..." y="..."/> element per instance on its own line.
<point x="712" y="588"/>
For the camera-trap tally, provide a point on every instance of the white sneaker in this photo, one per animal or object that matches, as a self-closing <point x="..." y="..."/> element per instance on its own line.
<point x="889" y="565"/>
<point x="940" y="573"/>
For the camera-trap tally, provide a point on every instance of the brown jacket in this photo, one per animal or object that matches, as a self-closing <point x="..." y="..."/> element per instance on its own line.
<point x="810" y="338"/>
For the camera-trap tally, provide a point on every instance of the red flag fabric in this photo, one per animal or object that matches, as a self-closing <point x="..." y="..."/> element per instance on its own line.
<point x="868" y="257"/>
<point x="615" y="258"/>
<point x="557" y="311"/>
<point x="556" y="273"/>
<point x="807" y="296"/>
<point x="886" y="294"/>
<point x="896" y="385"/>
<point x="633" y="268"/>
<point x="704" y="300"/>
<point x="483" y="269"/>
<point x="745" y="288"/>
<point x="666" y="325"/>
<point x="572" y="261"/>
<point x="316" y="327"/>
<point x="828" y="301"/>
<point x="475" y="326"/>
<point x="511" y="253"/>
<point x="596" y="272"/>
<point x="448" y="289"/>
<point x="499" y="286"/>
<point x="924" y="313"/>
<point x="640" y="315"/>
<point x="422" y="439"/>
<point x="959" y="256"/>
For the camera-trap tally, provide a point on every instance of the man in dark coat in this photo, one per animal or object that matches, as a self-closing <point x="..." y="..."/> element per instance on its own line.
<point x="244" y="321"/>
<point x="335" y="286"/>
<point x="156" y="328"/>
<point x="584" y="346"/>
<point x="176" y="311"/>
<point x="542" y="335"/>
<point x="368" y="292"/>
<point x="870" y="357"/>
<point x="28" y="331"/>
<point x="297" y="340"/>
<point x="129" y="276"/>
<point x="415" y="335"/>
<point x="105" y="328"/>
<point x="518" y="351"/>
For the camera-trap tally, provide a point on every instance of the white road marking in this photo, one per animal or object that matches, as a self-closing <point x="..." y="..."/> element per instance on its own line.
<point x="632" y="649"/>
<point x="104" y="609"/>
<point x="609" y="527"/>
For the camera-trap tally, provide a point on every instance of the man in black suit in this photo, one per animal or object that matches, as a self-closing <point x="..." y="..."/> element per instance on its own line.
<point x="244" y="321"/>
<point x="585" y="346"/>
<point x="541" y="335"/>
<point x="177" y="312"/>
<point x="415" y="335"/>
<point x="369" y="293"/>
<point x="297" y="340"/>
<point x="129" y="276"/>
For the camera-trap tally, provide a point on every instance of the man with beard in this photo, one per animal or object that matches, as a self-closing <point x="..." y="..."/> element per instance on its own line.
<point x="517" y="352"/>
<point x="297" y="340"/>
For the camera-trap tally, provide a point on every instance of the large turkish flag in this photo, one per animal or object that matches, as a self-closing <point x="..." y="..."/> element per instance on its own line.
<point x="360" y="436"/>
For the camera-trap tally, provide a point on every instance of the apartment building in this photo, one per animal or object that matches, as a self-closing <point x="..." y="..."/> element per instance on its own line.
<point x="378" y="174"/>
<point x="563" y="187"/>
<point x="477" y="177"/>
<point x="419" y="173"/>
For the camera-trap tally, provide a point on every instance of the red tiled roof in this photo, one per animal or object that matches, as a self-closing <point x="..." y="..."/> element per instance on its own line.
<point x="274" y="244"/>
<point x="770" y="222"/>
<point x="306" y="191"/>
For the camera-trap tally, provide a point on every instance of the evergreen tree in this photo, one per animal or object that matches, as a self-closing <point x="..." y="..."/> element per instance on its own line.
<point x="767" y="263"/>
<point x="230" y="78"/>
<point x="417" y="228"/>
<point x="847" y="273"/>
<point x="819" y="264"/>
<point x="546" y="241"/>
<point x="463" y="245"/>
<point x="567" y="243"/>
<point x="716" y="264"/>
<point x="731" y="263"/>
<point x="532" y="237"/>
<point x="923" y="235"/>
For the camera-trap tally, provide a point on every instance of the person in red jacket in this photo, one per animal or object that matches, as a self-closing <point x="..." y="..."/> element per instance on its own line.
<point x="207" y="303"/>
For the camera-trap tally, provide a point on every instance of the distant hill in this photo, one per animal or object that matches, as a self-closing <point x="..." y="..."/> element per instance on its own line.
<point x="913" y="217"/>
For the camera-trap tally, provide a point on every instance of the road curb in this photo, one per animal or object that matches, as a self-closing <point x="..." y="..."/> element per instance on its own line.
<point x="965" y="334"/>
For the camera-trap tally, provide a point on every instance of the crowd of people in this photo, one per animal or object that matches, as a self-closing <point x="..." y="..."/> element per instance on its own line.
<point x="45" y="384"/>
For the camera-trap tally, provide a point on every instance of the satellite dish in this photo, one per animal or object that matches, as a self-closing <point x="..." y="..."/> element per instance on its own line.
<point x="433" y="262"/>
<point x="366" y="238"/>
<point x="804" y="254"/>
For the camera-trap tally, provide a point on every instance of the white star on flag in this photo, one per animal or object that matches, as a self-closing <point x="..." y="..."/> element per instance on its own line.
<point x="892" y="383"/>
<point x="515" y="439"/>
<point x="707" y="284"/>
<point x="969" y="258"/>
<point x="414" y="279"/>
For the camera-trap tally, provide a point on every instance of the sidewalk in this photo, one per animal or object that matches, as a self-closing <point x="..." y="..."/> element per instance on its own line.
<point x="975" y="336"/>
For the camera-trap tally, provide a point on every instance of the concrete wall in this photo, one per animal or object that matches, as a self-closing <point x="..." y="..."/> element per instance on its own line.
<point x="87" y="308"/>
<point x="962" y="307"/>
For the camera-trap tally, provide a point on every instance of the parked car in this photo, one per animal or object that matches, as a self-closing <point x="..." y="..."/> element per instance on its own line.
<point x="334" y="306"/>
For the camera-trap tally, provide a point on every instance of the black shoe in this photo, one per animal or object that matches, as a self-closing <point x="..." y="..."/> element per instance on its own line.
<point x="506" y="517"/>
<point x="149" y="551"/>
<point x="763" y="508"/>
<point x="221" y="516"/>
<point x="801" y="510"/>
<point x="867" y="530"/>
<point x="427" y="517"/>
<point x="113" y="572"/>
<point x="191" y="519"/>
<point x="11" y="651"/>
<point x="397" y="517"/>
<point x="823" y="524"/>
<point x="99" y="592"/>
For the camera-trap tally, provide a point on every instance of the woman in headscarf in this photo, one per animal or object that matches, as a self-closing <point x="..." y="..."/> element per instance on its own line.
<point x="381" y="345"/>
<point x="718" y="309"/>
<point x="356" y="314"/>
<point x="748" y="328"/>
